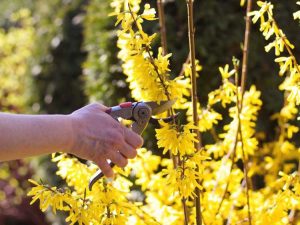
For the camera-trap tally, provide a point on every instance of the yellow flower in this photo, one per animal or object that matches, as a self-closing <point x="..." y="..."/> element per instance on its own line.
<point x="178" y="142"/>
<point x="225" y="73"/>
<point x="183" y="180"/>
<point x="149" y="13"/>
<point x="297" y="14"/>
<point x="242" y="3"/>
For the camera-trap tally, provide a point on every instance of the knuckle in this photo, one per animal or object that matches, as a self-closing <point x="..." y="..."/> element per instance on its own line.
<point x="96" y="106"/>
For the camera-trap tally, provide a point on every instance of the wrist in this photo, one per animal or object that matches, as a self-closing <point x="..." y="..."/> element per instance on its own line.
<point x="76" y="132"/>
<point x="70" y="134"/>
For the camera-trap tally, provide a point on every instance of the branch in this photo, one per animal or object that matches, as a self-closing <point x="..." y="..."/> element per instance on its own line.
<point x="162" y="25"/>
<point x="194" y="100"/>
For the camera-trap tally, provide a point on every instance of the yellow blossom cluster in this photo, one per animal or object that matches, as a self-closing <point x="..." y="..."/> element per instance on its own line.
<point x="108" y="203"/>
<point x="148" y="75"/>
<point x="149" y="79"/>
<point x="288" y="64"/>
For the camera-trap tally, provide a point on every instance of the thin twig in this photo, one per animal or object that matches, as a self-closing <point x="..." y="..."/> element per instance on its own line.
<point x="246" y="176"/>
<point x="233" y="151"/>
<point x="245" y="161"/>
<point x="194" y="100"/>
<point x="246" y="49"/>
<point x="147" y="48"/>
<point x="183" y="200"/>
<point x="187" y="61"/>
<point x="293" y="213"/>
<point x="162" y="25"/>
<point x="243" y="81"/>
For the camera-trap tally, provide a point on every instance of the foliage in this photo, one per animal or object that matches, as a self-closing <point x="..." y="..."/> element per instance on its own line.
<point x="227" y="166"/>
<point x="16" y="44"/>
<point x="57" y="57"/>
<point x="103" y="78"/>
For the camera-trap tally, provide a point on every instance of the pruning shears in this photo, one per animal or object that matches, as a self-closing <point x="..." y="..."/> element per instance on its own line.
<point x="141" y="114"/>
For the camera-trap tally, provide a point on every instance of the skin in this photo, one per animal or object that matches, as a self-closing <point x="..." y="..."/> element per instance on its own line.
<point x="88" y="133"/>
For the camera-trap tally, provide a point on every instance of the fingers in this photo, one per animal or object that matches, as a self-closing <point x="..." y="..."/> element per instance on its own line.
<point x="132" y="138"/>
<point x="118" y="159"/>
<point x="105" y="167"/>
<point x="128" y="151"/>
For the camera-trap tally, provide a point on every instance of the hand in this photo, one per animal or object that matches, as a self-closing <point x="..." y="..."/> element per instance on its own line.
<point x="98" y="137"/>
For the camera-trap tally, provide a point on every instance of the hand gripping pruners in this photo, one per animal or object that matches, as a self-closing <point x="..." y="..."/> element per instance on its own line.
<point x="141" y="114"/>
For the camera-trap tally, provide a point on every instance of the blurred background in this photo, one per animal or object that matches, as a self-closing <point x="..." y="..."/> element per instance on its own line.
<point x="56" y="56"/>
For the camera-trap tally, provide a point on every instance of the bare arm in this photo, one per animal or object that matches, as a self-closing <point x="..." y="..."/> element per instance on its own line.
<point x="88" y="133"/>
<point x="28" y="135"/>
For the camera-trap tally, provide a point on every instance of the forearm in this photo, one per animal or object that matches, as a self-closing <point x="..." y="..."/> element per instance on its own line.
<point x="28" y="135"/>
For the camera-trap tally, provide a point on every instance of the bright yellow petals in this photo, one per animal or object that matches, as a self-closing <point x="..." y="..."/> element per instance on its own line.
<point x="288" y="65"/>
<point x="143" y="166"/>
<point x="178" y="142"/>
<point x="76" y="174"/>
<point x="188" y="69"/>
<point x="242" y="3"/>
<point x="208" y="118"/>
<point x="183" y="180"/>
<point x="149" y="13"/>
<point x="225" y="73"/>
<point x="225" y="95"/>
<point x="297" y="14"/>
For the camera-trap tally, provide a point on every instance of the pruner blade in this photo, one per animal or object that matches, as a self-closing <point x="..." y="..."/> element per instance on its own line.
<point x="158" y="108"/>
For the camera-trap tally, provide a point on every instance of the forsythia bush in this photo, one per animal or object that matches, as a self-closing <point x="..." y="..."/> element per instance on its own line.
<point x="224" y="170"/>
<point x="16" y="47"/>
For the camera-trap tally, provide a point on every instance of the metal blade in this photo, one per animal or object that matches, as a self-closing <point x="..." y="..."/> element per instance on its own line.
<point x="161" y="107"/>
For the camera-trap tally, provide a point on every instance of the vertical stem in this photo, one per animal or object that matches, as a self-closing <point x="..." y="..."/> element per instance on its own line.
<point x="162" y="24"/>
<point x="246" y="176"/>
<point x="244" y="76"/>
<point x="246" y="48"/>
<point x="194" y="99"/>
<point x="183" y="200"/>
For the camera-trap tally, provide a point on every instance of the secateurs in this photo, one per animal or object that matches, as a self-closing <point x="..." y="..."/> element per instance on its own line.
<point x="141" y="114"/>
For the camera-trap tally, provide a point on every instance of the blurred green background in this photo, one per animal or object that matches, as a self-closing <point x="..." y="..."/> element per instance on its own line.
<point x="58" y="55"/>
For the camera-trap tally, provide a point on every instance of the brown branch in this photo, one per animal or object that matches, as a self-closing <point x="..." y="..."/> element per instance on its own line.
<point x="147" y="48"/>
<point x="246" y="49"/>
<point x="246" y="177"/>
<point x="162" y="25"/>
<point x="183" y="200"/>
<point x="233" y="151"/>
<point x="243" y="81"/>
<point x="191" y="33"/>
<point x="187" y="61"/>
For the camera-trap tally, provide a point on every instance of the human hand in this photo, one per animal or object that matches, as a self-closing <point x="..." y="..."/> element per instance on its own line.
<point x="98" y="137"/>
